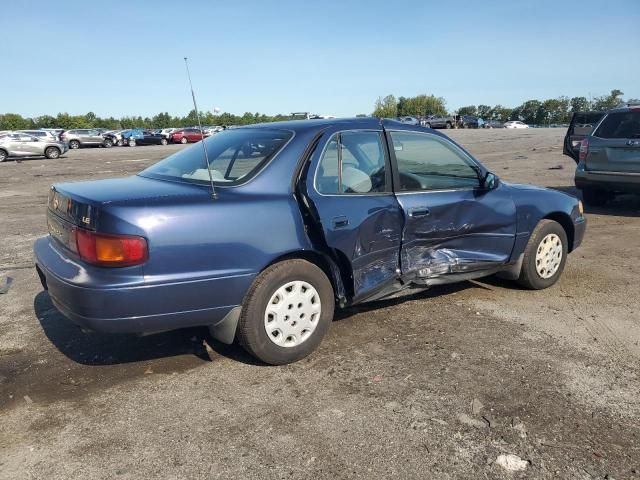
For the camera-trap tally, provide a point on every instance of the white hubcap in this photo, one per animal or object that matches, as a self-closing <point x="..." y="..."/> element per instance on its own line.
<point x="292" y="314"/>
<point x="549" y="256"/>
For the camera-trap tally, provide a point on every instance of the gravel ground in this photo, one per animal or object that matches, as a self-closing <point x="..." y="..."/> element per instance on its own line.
<point x="444" y="384"/>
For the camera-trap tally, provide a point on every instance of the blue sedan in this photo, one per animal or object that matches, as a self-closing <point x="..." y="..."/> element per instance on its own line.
<point x="262" y="237"/>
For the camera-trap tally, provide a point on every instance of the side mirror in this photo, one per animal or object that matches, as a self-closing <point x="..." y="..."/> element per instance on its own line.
<point x="490" y="181"/>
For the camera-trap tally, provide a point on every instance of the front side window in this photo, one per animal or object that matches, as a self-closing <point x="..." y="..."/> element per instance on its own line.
<point x="620" y="125"/>
<point x="428" y="162"/>
<point x="353" y="162"/>
<point x="234" y="157"/>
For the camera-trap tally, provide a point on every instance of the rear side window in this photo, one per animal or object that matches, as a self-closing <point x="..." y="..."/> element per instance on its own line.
<point x="234" y="157"/>
<point x="620" y="125"/>
<point x="353" y="162"/>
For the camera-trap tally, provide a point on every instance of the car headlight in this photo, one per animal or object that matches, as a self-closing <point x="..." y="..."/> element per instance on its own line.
<point x="580" y="207"/>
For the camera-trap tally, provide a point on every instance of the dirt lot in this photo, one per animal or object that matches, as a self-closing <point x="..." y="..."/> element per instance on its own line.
<point x="437" y="385"/>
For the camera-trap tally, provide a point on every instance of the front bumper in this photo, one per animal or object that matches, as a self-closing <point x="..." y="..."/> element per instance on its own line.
<point x="579" y="229"/>
<point x="88" y="297"/>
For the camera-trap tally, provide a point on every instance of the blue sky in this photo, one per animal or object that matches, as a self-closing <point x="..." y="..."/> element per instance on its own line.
<point x="331" y="57"/>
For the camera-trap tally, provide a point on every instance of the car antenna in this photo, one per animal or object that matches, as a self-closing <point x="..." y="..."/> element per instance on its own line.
<point x="204" y="148"/>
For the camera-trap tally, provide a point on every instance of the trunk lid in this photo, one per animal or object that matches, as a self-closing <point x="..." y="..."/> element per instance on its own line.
<point x="581" y="126"/>
<point x="615" y="146"/>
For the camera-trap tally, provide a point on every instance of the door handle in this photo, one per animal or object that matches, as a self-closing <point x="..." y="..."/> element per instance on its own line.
<point x="339" y="222"/>
<point x="419" y="212"/>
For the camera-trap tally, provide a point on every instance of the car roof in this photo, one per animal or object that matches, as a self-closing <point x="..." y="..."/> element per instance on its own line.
<point x="300" y="126"/>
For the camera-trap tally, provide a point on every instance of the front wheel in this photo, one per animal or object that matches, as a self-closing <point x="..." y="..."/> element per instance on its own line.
<point x="286" y="312"/>
<point x="74" y="144"/>
<point x="449" y="125"/>
<point x="183" y="140"/>
<point x="3" y="155"/>
<point x="132" y="142"/>
<point x="108" y="143"/>
<point x="163" y="141"/>
<point x="544" y="256"/>
<point x="52" y="153"/>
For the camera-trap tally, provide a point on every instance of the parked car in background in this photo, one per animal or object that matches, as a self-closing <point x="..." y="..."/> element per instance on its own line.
<point x="440" y="121"/>
<point x="147" y="137"/>
<point x="40" y="134"/>
<point x="581" y="125"/>
<point x="468" y="121"/>
<point x="409" y="120"/>
<point x="187" y="135"/>
<point x="166" y="132"/>
<point x="492" y="124"/>
<point x="609" y="157"/>
<point x="341" y="212"/>
<point x="20" y="144"/>
<point x="85" y="137"/>
<point x="115" y="136"/>
<point x="515" y="124"/>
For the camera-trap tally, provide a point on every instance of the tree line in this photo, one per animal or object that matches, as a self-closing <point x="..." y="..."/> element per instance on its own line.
<point x="537" y="112"/>
<point x="13" y="121"/>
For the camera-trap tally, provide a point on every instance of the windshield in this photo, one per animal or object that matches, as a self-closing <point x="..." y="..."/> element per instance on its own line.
<point x="234" y="157"/>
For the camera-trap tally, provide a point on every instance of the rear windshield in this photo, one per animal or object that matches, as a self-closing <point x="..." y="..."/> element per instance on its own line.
<point x="620" y="125"/>
<point x="234" y="157"/>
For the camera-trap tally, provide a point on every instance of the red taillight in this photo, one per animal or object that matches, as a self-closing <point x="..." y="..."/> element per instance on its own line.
<point x="110" y="250"/>
<point x="584" y="149"/>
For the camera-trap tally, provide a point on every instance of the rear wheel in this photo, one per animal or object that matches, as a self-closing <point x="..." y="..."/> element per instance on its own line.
<point x="544" y="256"/>
<point x="428" y="125"/>
<point x="52" y="153"/>
<point x="449" y="125"/>
<point x="163" y="141"/>
<point x="74" y="144"/>
<point x="3" y="155"/>
<point x="183" y="140"/>
<point x="132" y="142"/>
<point x="286" y="313"/>
<point x="108" y="143"/>
<point x="595" y="197"/>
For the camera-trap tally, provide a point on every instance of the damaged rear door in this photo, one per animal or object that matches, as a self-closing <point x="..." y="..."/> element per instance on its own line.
<point x="453" y="224"/>
<point x="360" y="220"/>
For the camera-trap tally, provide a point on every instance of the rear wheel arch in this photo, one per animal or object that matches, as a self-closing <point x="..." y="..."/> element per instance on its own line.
<point x="567" y="224"/>
<point x="332" y="270"/>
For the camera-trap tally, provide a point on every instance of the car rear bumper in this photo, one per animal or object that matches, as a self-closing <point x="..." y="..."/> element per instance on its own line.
<point x="137" y="308"/>
<point x="628" y="182"/>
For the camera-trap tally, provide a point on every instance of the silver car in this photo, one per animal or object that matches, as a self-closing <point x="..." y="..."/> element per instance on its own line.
<point x="85" y="137"/>
<point x="14" y="145"/>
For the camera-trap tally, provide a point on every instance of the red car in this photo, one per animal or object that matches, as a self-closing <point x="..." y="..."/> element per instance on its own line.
<point x="187" y="135"/>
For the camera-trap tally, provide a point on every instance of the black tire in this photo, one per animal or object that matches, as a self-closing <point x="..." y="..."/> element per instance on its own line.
<point x="428" y="125"/>
<point x="595" y="197"/>
<point x="449" y="125"/>
<point x="52" y="153"/>
<point x="132" y="142"/>
<point x="529" y="276"/>
<point x="108" y="143"/>
<point x="4" y="155"/>
<point x="252" y="333"/>
<point x="184" y="140"/>
<point x="120" y="143"/>
<point x="74" y="144"/>
<point x="163" y="141"/>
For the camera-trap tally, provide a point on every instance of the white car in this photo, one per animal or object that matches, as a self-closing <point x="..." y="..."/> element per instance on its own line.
<point x="515" y="124"/>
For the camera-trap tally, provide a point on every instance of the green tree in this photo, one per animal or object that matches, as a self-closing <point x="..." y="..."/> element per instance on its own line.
<point x="469" y="110"/>
<point x="607" y="102"/>
<point x="579" y="104"/>
<point x="484" y="111"/>
<point x="500" y="113"/>
<point x="386" y="107"/>
<point x="13" y="121"/>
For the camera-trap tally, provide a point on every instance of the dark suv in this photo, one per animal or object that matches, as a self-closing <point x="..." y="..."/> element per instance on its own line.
<point x="609" y="157"/>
